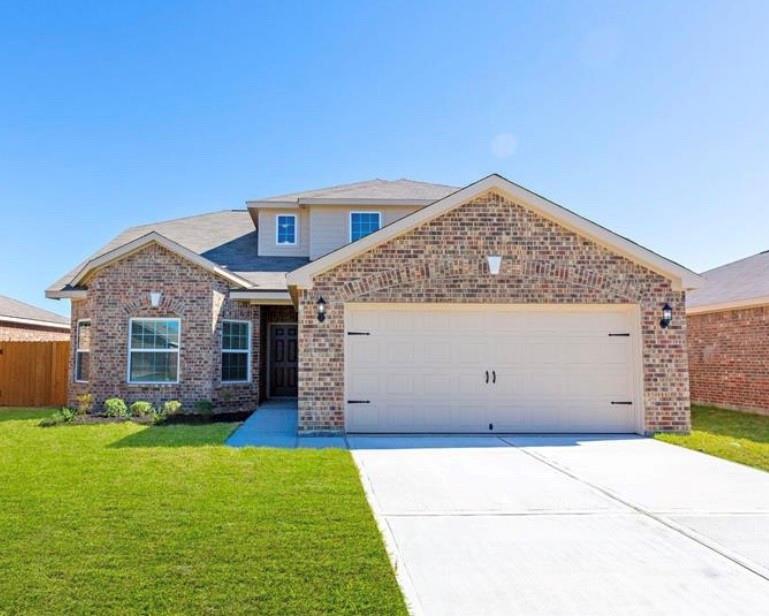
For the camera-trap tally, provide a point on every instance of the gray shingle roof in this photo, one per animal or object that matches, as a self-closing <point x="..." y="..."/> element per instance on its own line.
<point x="15" y="309"/>
<point x="373" y="189"/>
<point x="227" y="238"/>
<point x="742" y="280"/>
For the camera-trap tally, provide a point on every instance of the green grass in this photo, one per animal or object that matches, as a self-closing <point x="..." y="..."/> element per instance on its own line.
<point x="740" y="437"/>
<point x="120" y="518"/>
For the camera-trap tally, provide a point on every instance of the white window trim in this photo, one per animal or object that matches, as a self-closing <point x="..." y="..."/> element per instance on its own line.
<point x="78" y="350"/>
<point x="177" y="351"/>
<point x="248" y="351"/>
<point x="277" y="230"/>
<point x="349" y="222"/>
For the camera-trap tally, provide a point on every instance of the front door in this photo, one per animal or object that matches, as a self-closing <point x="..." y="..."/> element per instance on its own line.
<point x="283" y="364"/>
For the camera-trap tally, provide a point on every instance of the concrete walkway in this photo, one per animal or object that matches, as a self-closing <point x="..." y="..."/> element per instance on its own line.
<point x="568" y="525"/>
<point x="274" y="424"/>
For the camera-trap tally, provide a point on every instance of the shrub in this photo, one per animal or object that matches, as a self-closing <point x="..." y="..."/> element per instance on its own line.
<point x="62" y="416"/>
<point x="115" y="407"/>
<point x="141" y="408"/>
<point x="84" y="404"/>
<point x="204" y="407"/>
<point x="172" y="407"/>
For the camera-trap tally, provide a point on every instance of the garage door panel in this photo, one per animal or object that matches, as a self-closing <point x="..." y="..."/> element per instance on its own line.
<point x="550" y="370"/>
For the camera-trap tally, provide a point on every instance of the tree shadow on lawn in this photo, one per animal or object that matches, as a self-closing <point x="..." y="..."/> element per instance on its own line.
<point x="17" y="413"/>
<point x="177" y="436"/>
<point x="734" y="424"/>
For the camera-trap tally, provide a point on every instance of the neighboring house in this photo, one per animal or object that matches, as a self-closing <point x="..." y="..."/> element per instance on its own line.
<point x="391" y="306"/>
<point x="728" y="336"/>
<point x="20" y="322"/>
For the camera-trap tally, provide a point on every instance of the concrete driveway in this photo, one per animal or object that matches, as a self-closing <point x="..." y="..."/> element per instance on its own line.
<point x="568" y="525"/>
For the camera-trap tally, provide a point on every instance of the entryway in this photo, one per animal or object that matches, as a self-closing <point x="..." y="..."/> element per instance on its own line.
<point x="282" y="366"/>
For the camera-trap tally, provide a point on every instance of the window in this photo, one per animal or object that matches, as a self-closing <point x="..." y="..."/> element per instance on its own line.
<point x="83" y="352"/>
<point x="363" y="224"/>
<point x="285" y="229"/>
<point x="153" y="351"/>
<point x="236" y="352"/>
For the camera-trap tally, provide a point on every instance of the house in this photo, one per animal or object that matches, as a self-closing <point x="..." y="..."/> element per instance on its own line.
<point x="391" y="306"/>
<point x="728" y="336"/>
<point x="20" y="322"/>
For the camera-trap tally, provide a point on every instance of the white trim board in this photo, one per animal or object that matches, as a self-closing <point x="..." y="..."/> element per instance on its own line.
<point x="682" y="278"/>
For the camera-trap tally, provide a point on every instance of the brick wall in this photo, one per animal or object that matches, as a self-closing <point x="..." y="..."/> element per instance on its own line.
<point x="29" y="333"/>
<point x="729" y="359"/>
<point x="445" y="261"/>
<point x="121" y="291"/>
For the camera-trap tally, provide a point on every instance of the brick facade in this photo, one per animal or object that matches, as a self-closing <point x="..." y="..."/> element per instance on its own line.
<point x="199" y="298"/>
<point x="30" y="333"/>
<point x="444" y="260"/>
<point x="729" y="358"/>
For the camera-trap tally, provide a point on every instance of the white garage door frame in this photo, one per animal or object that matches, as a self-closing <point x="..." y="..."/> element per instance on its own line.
<point x="632" y="310"/>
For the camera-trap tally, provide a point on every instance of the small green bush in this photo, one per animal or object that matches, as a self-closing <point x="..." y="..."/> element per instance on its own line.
<point x="62" y="416"/>
<point x="141" y="408"/>
<point x="84" y="404"/>
<point x="115" y="407"/>
<point x="204" y="407"/>
<point x="172" y="407"/>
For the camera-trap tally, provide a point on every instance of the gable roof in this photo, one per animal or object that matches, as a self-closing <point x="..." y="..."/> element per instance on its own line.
<point x="14" y="311"/>
<point x="369" y="192"/>
<point x="226" y="240"/>
<point x="682" y="277"/>
<point x="739" y="284"/>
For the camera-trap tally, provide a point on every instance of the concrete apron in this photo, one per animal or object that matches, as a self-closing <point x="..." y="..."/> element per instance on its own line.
<point x="568" y="525"/>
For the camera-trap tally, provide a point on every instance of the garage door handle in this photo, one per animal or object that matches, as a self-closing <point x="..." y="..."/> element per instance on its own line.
<point x="487" y="376"/>
<point x="493" y="376"/>
<point x="359" y="402"/>
<point x="621" y="402"/>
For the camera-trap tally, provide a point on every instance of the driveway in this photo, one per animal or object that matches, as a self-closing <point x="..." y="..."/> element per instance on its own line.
<point x="568" y="525"/>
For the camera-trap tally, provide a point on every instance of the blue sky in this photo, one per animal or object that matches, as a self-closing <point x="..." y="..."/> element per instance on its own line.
<point x="650" y="118"/>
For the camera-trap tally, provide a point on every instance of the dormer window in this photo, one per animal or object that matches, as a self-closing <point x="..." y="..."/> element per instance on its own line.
<point x="285" y="230"/>
<point x="363" y="224"/>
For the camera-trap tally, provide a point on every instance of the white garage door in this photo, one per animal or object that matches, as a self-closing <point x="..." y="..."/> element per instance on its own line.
<point x="470" y="368"/>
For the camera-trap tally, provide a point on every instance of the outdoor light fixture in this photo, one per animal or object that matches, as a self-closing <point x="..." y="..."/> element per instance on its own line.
<point x="321" y="310"/>
<point x="155" y="297"/>
<point x="494" y="264"/>
<point x="667" y="316"/>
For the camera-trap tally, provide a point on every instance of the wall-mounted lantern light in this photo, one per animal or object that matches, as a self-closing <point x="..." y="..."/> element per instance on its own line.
<point x="155" y="297"/>
<point x="667" y="316"/>
<point x="494" y="264"/>
<point x="321" y="310"/>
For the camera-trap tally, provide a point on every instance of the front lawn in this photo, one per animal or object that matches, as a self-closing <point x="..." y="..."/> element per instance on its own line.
<point x="740" y="437"/>
<point x="121" y="518"/>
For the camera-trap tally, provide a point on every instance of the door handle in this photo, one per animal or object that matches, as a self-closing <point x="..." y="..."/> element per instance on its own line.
<point x="487" y="376"/>
<point x="494" y="376"/>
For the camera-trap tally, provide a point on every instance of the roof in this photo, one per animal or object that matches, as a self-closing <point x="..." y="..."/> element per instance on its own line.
<point x="14" y="311"/>
<point x="682" y="277"/>
<point x="376" y="191"/>
<point x="225" y="240"/>
<point x="739" y="284"/>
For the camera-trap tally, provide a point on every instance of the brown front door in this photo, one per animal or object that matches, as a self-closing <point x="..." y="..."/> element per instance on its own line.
<point x="283" y="371"/>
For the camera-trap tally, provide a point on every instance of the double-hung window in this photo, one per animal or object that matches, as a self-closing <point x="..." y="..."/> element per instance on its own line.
<point x="236" y="351"/>
<point x="153" y="350"/>
<point x="285" y="229"/>
<point x="83" y="352"/>
<point x="363" y="224"/>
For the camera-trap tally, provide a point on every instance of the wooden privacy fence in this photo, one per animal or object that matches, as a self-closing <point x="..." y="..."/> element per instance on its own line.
<point x="34" y="373"/>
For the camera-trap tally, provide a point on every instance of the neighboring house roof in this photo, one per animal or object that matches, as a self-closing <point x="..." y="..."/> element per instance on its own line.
<point x="370" y="192"/>
<point x="224" y="242"/>
<point x="14" y="311"/>
<point x="681" y="276"/>
<point x="740" y="284"/>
